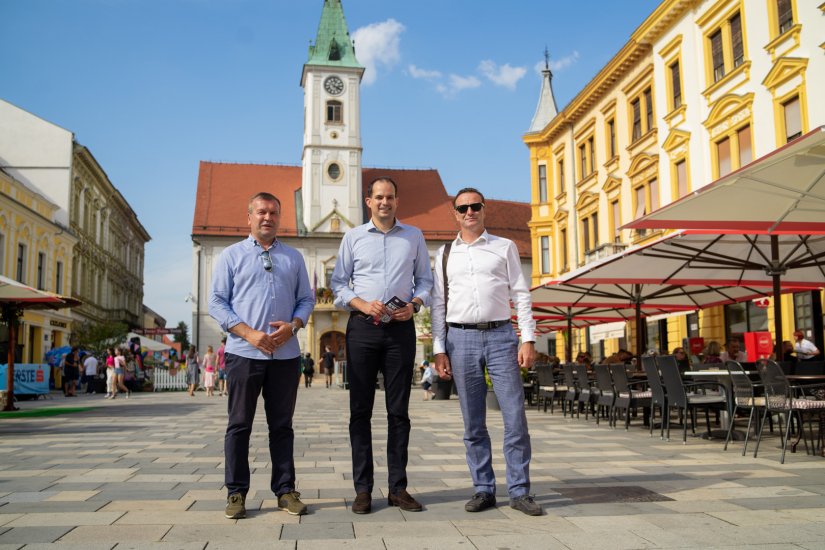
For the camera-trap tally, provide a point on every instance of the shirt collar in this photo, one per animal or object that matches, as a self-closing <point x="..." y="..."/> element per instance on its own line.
<point x="483" y="237"/>
<point x="251" y="242"/>
<point x="396" y="225"/>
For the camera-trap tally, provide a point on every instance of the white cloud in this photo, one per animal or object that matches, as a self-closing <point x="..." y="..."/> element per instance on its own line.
<point x="559" y="64"/>
<point x="457" y="83"/>
<point x="503" y="75"/>
<point x="378" y="45"/>
<point x="417" y="72"/>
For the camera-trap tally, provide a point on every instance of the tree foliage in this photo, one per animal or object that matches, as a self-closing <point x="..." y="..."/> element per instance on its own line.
<point x="183" y="337"/>
<point x="96" y="337"/>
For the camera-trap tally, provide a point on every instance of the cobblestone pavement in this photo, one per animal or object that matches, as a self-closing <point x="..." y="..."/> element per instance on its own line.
<point x="147" y="472"/>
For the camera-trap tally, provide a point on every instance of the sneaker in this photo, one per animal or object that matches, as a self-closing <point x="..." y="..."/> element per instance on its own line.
<point x="479" y="502"/>
<point x="291" y="502"/>
<point x="235" y="508"/>
<point x="526" y="505"/>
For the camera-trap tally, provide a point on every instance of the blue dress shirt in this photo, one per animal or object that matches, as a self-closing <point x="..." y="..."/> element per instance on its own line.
<point x="373" y="265"/>
<point x="244" y="292"/>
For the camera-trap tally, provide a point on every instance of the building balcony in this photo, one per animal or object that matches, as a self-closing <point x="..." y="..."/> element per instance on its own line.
<point x="603" y="251"/>
<point x="324" y="299"/>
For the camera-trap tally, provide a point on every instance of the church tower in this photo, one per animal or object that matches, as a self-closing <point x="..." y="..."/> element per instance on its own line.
<point x="546" y="110"/>
<point x="331" y="196"/>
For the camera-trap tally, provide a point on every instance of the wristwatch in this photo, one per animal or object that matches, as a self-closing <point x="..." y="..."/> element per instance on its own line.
<point x="416" y="307"/>
<point x="295" y="328"/>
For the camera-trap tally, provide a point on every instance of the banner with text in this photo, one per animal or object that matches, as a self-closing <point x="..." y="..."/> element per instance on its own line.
<point x="28" y="378"/>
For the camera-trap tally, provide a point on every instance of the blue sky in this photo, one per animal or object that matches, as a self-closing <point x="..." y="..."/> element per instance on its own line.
<point x="154" y="86"/>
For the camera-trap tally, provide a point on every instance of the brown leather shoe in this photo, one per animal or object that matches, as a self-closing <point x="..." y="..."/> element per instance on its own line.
<point x="405" y="501"/>
<point x="362" y="503"/>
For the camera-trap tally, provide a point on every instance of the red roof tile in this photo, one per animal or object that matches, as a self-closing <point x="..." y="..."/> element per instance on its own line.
<point x="224" y="189"/>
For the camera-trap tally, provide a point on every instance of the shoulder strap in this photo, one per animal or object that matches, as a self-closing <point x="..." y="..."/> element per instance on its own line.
<point x="444" y="258"/>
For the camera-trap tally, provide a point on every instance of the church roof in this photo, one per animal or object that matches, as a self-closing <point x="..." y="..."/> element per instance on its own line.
<point x="333" y="45"/>
<point x="224" y="190"/>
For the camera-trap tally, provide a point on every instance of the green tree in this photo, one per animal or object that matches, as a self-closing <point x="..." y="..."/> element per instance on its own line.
<point x="96" y="337"/>
<point x="182" y="337"/>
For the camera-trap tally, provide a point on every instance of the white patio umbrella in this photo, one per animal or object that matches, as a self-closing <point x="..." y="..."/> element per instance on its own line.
<point x="780" y="195"/>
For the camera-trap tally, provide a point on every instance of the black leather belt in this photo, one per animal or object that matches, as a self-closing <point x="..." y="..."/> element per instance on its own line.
<point x="479" y="326"/>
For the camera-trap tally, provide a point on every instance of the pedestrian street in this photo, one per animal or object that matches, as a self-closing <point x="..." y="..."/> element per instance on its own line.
<point x="147" y="472"/>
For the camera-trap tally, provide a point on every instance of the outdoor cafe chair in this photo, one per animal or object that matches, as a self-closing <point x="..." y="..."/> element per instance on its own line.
<point x="687" y="403"/>
<point x="783" y="399"/>
<point x="548" y="388"/>
<point x="657" y="393"/>
<point x="744" y="398"/>
<point x="605" y="394"/>
<point x="571" y="396"/>
<point x="587" y="391"/>
<point x="627" y="397"/>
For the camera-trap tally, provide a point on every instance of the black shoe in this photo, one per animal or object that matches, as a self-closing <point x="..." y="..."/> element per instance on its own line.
<point x="479" y="502"/>
<point x="362" y="503"/>
<point x="405" y="501"/>
<point x="526" y="504"/>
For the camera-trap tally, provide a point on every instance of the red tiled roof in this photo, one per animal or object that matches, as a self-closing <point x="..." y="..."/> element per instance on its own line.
<point x="224" y="189"/>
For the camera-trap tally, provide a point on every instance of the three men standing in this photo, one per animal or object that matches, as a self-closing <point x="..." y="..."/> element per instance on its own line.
<point x="381" y="262"/>
<point x="472" y="334"/>
<point x="261" y="297"/>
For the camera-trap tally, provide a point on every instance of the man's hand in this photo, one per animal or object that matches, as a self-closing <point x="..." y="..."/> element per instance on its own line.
<point x="405" y="313"/>
<point x="260" y="340"/>
<point x="282" y="334"/>
<point x="442" y="366"/>
<point x="375" y="309"/>
<point x="526" y="355"/>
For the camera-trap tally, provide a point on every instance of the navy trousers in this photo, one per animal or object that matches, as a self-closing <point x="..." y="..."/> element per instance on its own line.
<point x="247" y="380"/>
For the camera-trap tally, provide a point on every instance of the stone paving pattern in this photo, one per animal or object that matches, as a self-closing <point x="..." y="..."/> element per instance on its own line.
<point x="147" y="472"/>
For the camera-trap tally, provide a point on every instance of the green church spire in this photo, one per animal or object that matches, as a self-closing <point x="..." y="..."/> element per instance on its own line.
<point x="333" y="45"/>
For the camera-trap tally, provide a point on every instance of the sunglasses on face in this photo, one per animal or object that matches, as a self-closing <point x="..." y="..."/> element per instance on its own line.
<point x="475" y="207"/>
<point x="266" y="260"/>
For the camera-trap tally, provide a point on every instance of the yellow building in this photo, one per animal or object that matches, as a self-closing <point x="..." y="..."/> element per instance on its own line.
<point x="37" y="251"/>
<point x="699" y="89"/>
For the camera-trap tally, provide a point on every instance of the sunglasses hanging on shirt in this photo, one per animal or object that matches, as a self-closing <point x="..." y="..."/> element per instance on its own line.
<point x="267" y="260"/>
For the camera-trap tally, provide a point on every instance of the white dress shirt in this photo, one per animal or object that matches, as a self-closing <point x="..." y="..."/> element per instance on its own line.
<point x="483" y="277"/>
<point x="805" y="349"/>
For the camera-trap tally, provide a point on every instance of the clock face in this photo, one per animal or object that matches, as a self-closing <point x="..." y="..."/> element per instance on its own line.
<point x="333" y="85"/>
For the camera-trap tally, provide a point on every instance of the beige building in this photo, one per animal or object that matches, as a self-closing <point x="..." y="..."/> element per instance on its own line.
<point x="700" y="89"/>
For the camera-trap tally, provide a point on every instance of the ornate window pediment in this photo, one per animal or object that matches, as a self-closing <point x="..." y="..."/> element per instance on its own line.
<point x="783" y="70"/>
<point x="728" y="112"/>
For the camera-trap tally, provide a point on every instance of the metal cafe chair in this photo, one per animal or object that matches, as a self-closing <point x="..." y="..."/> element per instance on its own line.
<point x="571" y="396"/>
<point x="587" y="391"/>
<point x="783" y="399"/>
<point x="548" y="388"/>
<point x="687" y="403"/>
<point x="744" y="398"/>
<point x="605" y="394"/>
<point x="657" y="393"/>
<point x="627" y="397"/>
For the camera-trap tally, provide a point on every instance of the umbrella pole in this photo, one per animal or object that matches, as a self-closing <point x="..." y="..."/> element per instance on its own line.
<point x="568" y="343"/>
<point x="11" y="317"/>
<point x="777" y="296"/>
<point x="639" y="336"/>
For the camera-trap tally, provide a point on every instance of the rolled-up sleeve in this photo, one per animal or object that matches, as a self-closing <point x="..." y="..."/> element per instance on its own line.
<point x="220" y="295"/>
<point x="423" y="275"/>
<point x="342" y="274"/>
<point x="304" y="296"/>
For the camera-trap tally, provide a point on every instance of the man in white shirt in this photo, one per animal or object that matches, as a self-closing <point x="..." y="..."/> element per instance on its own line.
<point x="90" y="372"/>
<point x="733" y="352"/>
<point x="805" y="349"/>
<point x="472" y="334"/>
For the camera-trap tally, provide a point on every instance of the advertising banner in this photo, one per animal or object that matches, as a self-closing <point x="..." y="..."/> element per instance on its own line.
<point x="28" y="378"/>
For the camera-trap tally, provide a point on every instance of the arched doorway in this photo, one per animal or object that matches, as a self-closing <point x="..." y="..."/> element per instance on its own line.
<point x="337" y="344"/>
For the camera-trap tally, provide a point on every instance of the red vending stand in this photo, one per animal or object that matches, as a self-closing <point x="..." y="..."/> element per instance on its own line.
<point x="759" y="345"/>
<point x="697" y="345"/>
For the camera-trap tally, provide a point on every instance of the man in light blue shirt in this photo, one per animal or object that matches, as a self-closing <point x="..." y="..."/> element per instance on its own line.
<point x="261" y="297"/>
<point x="377" y="262"/>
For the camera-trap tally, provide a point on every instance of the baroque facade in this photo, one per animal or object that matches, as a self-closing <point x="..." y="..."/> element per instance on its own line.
<point x="700" y="89"/>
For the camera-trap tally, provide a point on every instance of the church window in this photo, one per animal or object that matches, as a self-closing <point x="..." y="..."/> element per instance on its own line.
<point x="334" y="52"/>
<point x="334" y="171"/>
<point x="335" y="112"/>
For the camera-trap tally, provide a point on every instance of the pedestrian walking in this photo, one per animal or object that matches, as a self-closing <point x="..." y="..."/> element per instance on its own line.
<point x="476" y="277"/>
<point x="110" y="373"/>
<point x="90" y="372"/>
<point x="328" y="364"/>
<point x="210" y="369"/>
<point x="192" y="370"/>
<point x="382" y="276"/>
<point x="261" y="296"/>
<point x="309" y="370"/>
<point x="120" y="374"/>
<point x="222" y="367"/>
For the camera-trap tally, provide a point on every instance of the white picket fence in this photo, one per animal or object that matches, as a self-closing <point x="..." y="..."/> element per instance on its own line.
<point x="165" y="381"/>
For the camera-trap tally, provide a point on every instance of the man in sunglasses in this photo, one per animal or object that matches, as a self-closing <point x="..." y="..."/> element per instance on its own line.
<point x="379" y="263"/>
<point x="261" y="297"/>
<point x="472" y="334"/>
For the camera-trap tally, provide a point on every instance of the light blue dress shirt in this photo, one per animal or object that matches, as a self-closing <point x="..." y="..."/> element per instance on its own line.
<point x="373" y="265"/>
<point x="244" y="292"/>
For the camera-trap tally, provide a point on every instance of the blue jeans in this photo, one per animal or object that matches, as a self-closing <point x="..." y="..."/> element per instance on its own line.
<point x="277" y="380"/>
<point x="497" y="349"/>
